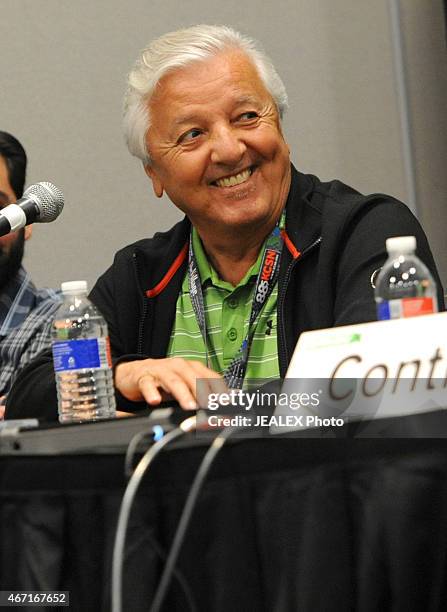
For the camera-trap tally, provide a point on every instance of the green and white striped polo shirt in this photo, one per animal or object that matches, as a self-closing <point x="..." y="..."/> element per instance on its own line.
<point x="227" y="312"/>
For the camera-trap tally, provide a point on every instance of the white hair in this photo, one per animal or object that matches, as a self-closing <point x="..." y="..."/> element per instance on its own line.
<point x="176" y="50"/>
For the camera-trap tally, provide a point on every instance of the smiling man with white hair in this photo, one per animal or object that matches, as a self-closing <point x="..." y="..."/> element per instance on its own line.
<point x="264" y="252"/>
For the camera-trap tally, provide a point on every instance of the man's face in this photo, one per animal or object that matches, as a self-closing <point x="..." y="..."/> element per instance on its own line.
<point x="216" y="145"/>
<point x="11" y="246"/>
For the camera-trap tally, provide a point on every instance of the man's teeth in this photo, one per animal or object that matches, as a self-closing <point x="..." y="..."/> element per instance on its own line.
<point x="237" y="179"/>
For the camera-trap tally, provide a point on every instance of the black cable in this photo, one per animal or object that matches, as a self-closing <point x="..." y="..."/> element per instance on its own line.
<point x="185" y="518"/>
<point x="132" y="449"/>
<point x="177" y="573"/>
<point x="127" y="502"/>
<point x="162" y="554"/>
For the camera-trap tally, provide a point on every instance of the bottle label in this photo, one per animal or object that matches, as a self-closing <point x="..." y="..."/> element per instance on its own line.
<point x="81" y="354"/>
<point x="406" y="307"/>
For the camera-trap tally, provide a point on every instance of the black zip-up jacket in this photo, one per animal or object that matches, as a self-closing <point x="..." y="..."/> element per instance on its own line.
<point x="334" y="239"/>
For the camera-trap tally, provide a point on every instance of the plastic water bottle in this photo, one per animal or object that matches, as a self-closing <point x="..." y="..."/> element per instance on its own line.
<point x="404" y="286"/>
<point x="82" y="360"/>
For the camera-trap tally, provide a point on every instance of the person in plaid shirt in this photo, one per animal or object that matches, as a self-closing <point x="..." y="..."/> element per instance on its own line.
<point x="25" y="312"/>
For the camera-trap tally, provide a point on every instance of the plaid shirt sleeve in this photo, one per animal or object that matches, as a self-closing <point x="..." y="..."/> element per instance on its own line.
<point x="26" y="341"/>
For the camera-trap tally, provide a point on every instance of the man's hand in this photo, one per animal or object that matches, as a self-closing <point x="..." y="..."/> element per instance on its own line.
<point x="157" y="380"/>
<point x="2" y="407"/>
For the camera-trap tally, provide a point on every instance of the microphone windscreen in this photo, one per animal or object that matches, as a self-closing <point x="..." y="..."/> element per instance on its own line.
<point x="48" y="198"/>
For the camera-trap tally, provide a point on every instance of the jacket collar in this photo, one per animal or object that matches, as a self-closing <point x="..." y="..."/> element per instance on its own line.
<point x="157" y="261"/>
<point x="303" y="216"/>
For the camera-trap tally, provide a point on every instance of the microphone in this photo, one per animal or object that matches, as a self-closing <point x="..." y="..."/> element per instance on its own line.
<point x="41" y="203"/>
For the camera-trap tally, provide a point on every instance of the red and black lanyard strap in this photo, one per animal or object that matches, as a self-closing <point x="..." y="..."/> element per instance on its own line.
<point x="267" y="277"/>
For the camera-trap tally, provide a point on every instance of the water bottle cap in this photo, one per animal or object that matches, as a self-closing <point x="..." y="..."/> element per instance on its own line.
<point x="401" y="245"/>
<point x="74" y="287"/>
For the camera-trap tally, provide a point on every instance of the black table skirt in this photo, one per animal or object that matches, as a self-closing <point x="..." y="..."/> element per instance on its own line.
<point x="281" y="525"/>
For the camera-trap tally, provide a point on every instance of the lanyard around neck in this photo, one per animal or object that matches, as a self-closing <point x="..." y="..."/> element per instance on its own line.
<point x="267" y="277"/>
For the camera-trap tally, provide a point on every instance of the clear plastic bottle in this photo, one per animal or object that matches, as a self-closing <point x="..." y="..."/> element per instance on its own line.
<point x="404" y="286"/>
<point x="82" y="361"/>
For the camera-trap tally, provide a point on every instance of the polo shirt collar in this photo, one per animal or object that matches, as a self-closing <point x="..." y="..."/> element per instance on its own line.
<point x="209" y="275"/>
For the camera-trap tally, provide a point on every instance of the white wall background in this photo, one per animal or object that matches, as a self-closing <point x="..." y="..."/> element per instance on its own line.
<point x="62" y="76"/>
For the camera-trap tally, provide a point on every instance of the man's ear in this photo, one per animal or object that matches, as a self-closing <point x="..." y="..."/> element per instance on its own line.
<point x="157" y="184"/>
<point x="28" y="231"/>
